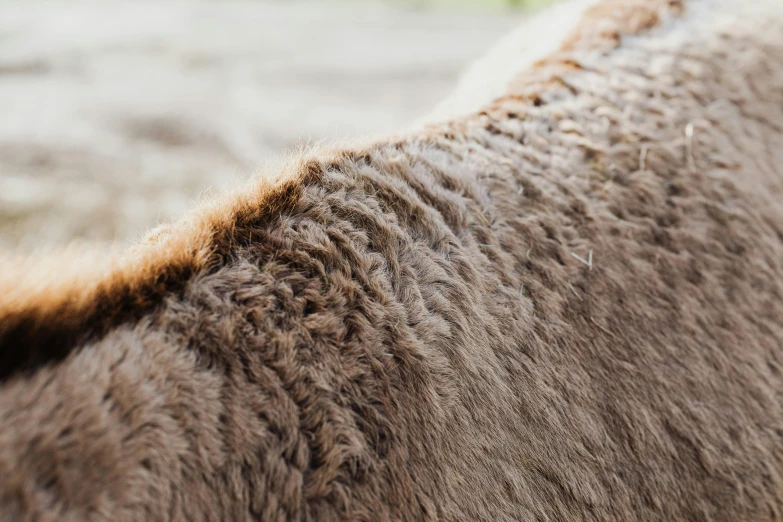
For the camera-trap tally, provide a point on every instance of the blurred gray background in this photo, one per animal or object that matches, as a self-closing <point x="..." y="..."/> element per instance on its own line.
<point x="117" y="114"/>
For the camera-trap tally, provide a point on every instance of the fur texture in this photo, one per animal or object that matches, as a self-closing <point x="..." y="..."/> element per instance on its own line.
<point x="566" y="307"/>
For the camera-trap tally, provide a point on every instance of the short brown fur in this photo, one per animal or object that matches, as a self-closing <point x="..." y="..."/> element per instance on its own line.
<point x="566" y="307"/>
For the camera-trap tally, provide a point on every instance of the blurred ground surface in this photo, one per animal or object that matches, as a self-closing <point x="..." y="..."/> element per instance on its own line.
<point x="115" y="115"/>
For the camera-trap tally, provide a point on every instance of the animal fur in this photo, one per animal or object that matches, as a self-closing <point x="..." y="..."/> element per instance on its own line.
<point x="566" y="306"/>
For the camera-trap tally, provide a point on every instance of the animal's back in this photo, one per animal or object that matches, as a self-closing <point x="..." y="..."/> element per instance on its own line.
<point x="565" y="307"/>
